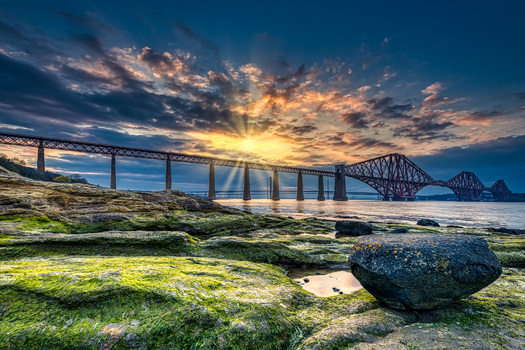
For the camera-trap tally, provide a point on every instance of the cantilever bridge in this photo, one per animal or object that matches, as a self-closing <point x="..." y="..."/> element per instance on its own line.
<point x="394" y="176"/>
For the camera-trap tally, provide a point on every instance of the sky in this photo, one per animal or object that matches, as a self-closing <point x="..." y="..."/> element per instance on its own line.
<point x="298" y="83"/>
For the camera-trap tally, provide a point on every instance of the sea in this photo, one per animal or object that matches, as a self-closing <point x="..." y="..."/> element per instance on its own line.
<point x="467" y="214"/>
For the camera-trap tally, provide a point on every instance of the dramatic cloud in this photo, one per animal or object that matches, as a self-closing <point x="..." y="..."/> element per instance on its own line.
<point x="163" y="63"/>
<point x="425" y="129"/>
<point x="83" y="78"/>
<point x="386" y="108"/>
<point x="434" y="97"/>
<point x="355" y="119"/>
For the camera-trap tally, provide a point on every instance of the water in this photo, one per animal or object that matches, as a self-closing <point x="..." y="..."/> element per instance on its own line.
<point x="322" y="282"/>
<point x="466" y="214"/>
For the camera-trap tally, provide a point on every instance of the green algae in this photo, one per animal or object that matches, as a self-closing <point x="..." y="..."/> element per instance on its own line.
<point x="209" y="303"/>
<point x="178" y="303"/>
<point x="216" y="289"/>
<point x="204" y="224"/>
<point x="34" y="223"/>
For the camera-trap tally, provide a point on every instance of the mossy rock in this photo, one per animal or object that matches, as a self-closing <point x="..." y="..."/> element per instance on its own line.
<point x="175" y="303"/>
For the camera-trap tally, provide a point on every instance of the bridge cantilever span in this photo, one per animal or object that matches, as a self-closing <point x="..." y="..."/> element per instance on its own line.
<point x="396" y="177"/>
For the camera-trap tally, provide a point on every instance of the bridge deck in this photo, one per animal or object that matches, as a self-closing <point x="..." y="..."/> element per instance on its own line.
<point x="89" y="147"/>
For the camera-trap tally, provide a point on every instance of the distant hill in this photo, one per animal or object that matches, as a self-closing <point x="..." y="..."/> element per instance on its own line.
<point x="514" y="197"/>
<point x="20" y="167"/>
<point x="517" y="197"/>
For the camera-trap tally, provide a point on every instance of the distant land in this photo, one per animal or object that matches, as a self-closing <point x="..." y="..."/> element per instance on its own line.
<point x="19" y="166"/>
<point x="485" y="197"/>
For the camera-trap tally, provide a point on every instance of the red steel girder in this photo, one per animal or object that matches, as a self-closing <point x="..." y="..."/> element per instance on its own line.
<point x="500" y="191"/>
<point x="89" y="147"/>
<point x="466" y="186"/>
<point x="393" y="176"/>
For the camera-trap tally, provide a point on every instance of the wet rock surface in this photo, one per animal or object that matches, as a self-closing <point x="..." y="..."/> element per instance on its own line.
<point x="423" y="271"/>
<point x="144" y="272"/>
<point x="400" y="230"/>
<point x="507" y="231"/>
<point x="91" y="204"/>
<point x="352" y="228"/>
<point x="427" y="222"/>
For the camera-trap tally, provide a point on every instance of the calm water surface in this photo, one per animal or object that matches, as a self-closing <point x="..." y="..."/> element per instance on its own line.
<point x="467" y="214"/>
<point x="322" y="282"/>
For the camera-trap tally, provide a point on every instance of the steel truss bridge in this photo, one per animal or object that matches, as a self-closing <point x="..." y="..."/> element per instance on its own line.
<point x="394" y="176"/>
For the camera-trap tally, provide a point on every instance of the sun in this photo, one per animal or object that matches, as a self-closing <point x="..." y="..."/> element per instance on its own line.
<point x="264" y="147"/>
<point x="248" y="145"/>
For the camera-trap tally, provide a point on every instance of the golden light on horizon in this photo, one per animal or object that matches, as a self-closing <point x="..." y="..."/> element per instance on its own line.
<point x="265" y="147"/>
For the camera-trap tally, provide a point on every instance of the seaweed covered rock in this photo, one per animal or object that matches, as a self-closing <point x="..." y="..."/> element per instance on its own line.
<point x="423" y="271"/>
<point x="352" y="228"/>
<point x="92" y="204"/>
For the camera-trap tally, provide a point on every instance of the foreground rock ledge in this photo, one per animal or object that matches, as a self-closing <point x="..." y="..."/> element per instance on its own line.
<point x="423" y="271"/>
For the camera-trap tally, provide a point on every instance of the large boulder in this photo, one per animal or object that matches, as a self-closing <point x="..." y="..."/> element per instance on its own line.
<point x="423" y="271"/>
<point x="352" y="228"/>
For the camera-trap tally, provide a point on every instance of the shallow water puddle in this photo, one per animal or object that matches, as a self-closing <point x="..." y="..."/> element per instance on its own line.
<point x="328" y="284"/>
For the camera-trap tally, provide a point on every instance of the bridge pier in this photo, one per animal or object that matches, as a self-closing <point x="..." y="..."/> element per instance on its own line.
<point x="40" y="162"/>
<point x="300" y="190"/>
<point x="247" y="196"/>
<point x="168" y="174"/>
<point x="113" y="173"/>
<point x="340" y="183"/>
<point x="320" y="191"/>
<point x="211" y="186"/>
<point x="275" y="190"/>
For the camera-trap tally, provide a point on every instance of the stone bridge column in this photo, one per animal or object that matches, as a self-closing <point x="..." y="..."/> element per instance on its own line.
<point x="113" y="173"/>
<point x="275" y="190"/>
<point x="340" y="183"/>
<point x="168" y="174"/>
<point x="247" y="196"/>
<point x="40" y="162"/>
<point x="300" y="189"/>
<point x="211" y="185"/>
<point x="320" y="192"/>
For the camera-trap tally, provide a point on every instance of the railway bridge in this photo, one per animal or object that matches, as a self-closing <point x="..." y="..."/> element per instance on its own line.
<point x="394" y="176"/>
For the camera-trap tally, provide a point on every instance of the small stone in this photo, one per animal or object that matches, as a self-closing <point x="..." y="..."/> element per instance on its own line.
<point x="427" y="222"/>
<point x="340" y="292"/>
<point x="306" y="280"/>
<point x="423" y="271"/>
<point x="335" y="289"/>
<point x="400" y="230"/>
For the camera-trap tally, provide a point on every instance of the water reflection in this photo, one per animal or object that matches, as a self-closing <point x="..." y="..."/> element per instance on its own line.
<point x="467" y="214"/>
<point x="300" y="207"/>
<point x="327" y="284"/>
<point x="275" y="207"/>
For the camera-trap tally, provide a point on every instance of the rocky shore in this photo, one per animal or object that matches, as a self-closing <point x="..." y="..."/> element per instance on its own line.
<point x="87" y="267"/>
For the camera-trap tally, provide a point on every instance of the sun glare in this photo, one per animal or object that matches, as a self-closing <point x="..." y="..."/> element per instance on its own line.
<point x="264" y="147"/>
